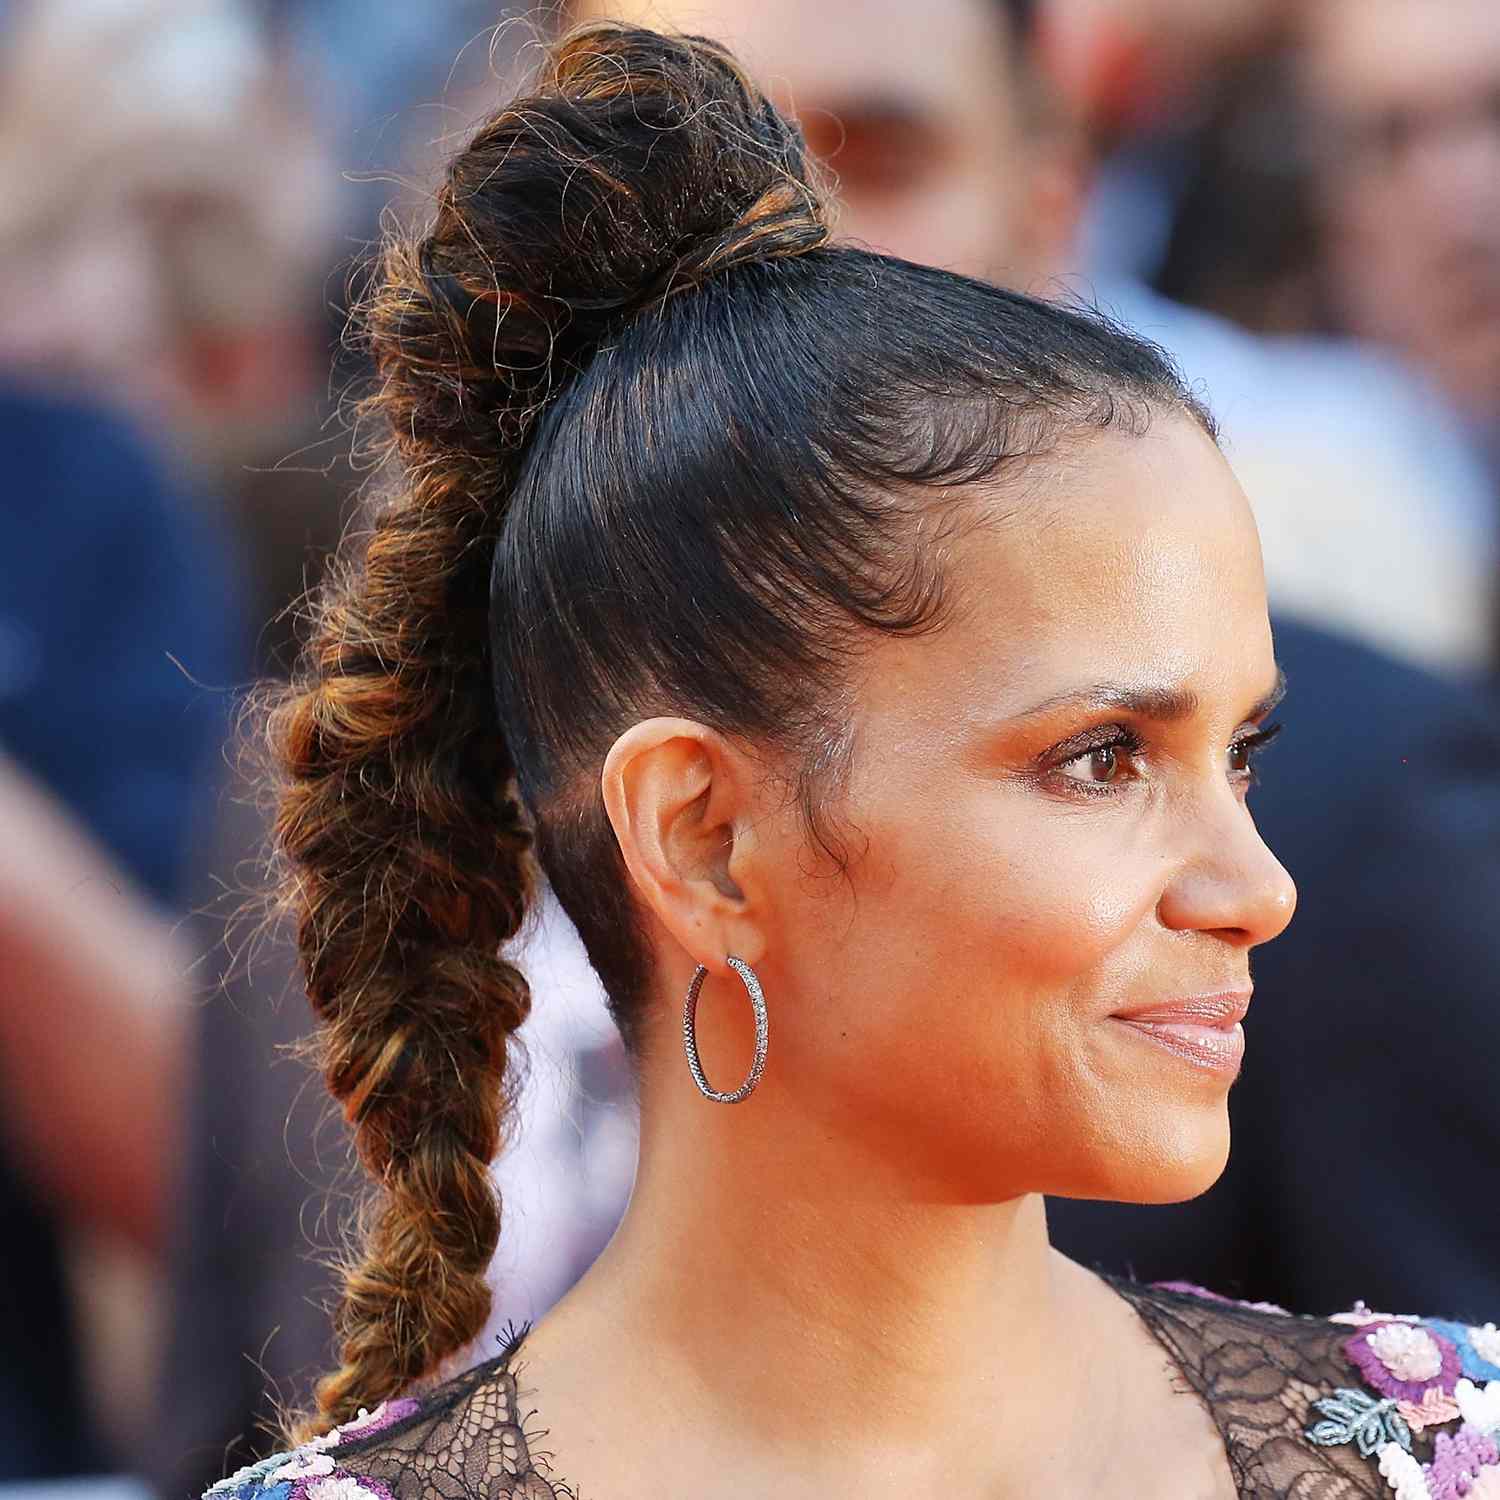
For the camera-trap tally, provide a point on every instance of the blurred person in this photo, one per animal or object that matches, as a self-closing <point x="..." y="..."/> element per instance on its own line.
<point x="1128" y="67"/>
<point x="1244" y="240"/>
<point x="942" y="705"/>
<point x="1439" y="734"/>
<point x="119" y="631"/>
<point x="93" y="1030"/>
<point x="117" y="640"/>
<point x="1408" y="95"/>
<point x="168" y="256"/>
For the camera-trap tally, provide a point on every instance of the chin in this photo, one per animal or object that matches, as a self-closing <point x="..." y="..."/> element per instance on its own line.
<point x="1198" y="1154"/>
<point x="1182" y="1154"/>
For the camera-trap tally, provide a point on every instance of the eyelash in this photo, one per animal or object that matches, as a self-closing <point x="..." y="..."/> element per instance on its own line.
<point x="1130" y="742"/>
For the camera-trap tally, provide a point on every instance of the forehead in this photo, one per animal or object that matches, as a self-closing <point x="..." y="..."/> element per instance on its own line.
<point x="942" y="56"/>
<point x="1368" y="54"/>
<point x="1131" y="557"/>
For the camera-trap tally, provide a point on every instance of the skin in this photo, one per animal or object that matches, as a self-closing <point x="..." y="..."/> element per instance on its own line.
<point x="844" y="1285"/>
<point x="934" y="162"/>
<point x="1410" y="187"/>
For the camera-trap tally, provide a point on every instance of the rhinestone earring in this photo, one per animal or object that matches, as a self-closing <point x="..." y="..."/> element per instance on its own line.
<point x="690" y="1033"/>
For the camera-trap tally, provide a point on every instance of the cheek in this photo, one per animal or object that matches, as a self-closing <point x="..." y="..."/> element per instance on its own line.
<point x="1001" y="893"/>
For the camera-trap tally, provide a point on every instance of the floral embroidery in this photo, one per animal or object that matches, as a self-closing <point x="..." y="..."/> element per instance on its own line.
<point x="367" y="1423"/>
<point x="1424" y="1369"/>
<point x="1403" y="1473"/>
<point x="344" y="1486"/>
<point x="1410" y="1353"/>
<point x="309" y="1472"/>
<point x="1404" y="1361"/>
<point x="1480" y="1407"/>
<point x="1465" y="1466"/>
<point x="263" y="1470"/>
<point x="1478" y="1348"/>
<point x="1435" y="1408"/>
<point x="1357" y="1417"/>
<point x="305" y="1464"/>
<point x="1360" y="1314"/>
<point x="1457" y="1459"/>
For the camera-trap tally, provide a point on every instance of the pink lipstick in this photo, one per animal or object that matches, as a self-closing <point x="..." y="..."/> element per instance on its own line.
<point x="1204" y="1030"/>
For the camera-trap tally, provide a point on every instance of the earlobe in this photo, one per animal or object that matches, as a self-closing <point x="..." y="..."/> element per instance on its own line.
<point x="677" y="795"/>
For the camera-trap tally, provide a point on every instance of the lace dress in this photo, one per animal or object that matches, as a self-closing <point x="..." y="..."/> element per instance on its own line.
<point x="1361" y="1404"/>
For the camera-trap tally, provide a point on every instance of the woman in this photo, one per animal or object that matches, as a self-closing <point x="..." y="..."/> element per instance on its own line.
<point x="877" y="659"/>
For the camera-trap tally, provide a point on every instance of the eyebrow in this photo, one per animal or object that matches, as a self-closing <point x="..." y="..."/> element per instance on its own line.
<point x="1164" y="704"/>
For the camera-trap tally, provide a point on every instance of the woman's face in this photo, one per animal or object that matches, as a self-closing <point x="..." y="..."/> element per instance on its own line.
<point x="1047" y="827"/>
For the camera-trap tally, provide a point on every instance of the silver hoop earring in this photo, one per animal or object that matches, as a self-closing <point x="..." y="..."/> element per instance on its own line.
<point x="690" y="1033"/>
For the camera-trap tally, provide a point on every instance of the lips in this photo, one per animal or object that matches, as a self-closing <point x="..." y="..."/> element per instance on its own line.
<point x="1203" y="1030"/>
<point x="1220" y="1011"/>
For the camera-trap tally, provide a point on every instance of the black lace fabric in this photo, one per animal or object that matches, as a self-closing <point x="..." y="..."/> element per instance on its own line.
<point x="468" y="1442"/>
<point x="1257" y="1372"/>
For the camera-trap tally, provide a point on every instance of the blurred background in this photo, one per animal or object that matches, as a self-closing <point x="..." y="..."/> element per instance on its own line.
<point x="1299" y="198"/>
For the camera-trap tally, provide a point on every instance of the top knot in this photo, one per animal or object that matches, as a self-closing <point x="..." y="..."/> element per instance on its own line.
<point x="734" y="187"/>
<point x="636" y="167"/>
<point x="786" y="220"/>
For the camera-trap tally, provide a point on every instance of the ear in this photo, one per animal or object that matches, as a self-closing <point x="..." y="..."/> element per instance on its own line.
<point x="682" y="800"/>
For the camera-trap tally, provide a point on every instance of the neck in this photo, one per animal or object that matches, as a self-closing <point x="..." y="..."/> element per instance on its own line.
<point x="781" y="1277"/>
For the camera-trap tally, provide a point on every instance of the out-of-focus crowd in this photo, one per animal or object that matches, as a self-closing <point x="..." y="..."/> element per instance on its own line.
<point x="1299" y="198"/>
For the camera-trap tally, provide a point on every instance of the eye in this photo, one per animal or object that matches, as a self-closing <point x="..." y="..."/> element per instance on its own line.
<point x="1100" y="766"/>
<point x="1244" y="752"/>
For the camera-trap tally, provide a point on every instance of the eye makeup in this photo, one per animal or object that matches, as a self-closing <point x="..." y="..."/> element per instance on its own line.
<point x="1111" y="745"/>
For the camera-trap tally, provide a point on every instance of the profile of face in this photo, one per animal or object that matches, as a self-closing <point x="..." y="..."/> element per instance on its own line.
<point x="1411" y="183"/>
<point x="919" y="110"/>
<point x="1047" y="831"/>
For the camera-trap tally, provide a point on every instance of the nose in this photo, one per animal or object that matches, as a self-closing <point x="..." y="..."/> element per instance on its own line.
<point x="1226" y="881"/>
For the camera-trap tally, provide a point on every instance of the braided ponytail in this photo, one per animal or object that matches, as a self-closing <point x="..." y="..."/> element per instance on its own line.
<point x="408" y="857"/>
<point x="400" y="827"/>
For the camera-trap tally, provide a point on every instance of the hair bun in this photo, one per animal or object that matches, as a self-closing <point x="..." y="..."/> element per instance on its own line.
<point x="636" y="166"/>
<point x="784" y="221"/>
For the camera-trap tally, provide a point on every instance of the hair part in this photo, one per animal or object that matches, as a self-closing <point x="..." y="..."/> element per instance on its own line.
<point x="659" y="448"/>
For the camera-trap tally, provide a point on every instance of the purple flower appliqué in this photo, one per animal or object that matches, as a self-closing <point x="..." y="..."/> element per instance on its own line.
<point x="1404" y="1360"/>
<point x="1458" y="1460"/>
<point x="340" y="1485"/>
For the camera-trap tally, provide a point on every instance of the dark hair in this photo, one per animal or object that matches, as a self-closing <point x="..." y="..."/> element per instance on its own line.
<point x="661" y="448"/>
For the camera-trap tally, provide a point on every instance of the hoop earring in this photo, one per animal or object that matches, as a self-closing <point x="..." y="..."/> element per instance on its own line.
<point x="690" y="1033"/>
